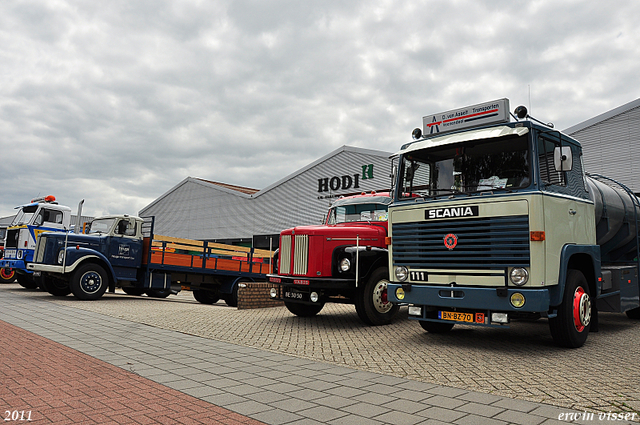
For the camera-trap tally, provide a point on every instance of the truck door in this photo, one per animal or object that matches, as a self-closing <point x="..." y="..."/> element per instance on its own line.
<point x="125" y="249"/>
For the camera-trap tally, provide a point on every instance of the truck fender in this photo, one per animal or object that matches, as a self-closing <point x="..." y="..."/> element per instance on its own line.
<point x="228" y="285"/>
<point x="585" y="258"/>
<point x="77" y="256"/>
<point x="370" y="257"/>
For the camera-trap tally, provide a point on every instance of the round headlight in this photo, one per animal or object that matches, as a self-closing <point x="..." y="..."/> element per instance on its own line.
<point x="60" y="256"/>
<point x="400" y="294"/>
<point x="517" y="299"/>
<point x="401" y="273"/>
<point x="345" y="264"/>
<point x="273" y="292"/>
<point x="519" y="276"/>
<point x="20" y="254"/>
<point x="314" y="297"/>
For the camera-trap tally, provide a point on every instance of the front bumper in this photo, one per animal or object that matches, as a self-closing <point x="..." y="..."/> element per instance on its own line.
<point x="470" y="298"/>
<point x="13" y="264"/>
<point x="318" y="283"/>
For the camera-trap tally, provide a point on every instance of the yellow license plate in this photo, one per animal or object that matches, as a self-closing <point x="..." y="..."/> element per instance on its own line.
<point x="455" y="316"/>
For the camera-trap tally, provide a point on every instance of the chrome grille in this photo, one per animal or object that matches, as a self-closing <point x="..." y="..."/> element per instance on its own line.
<point x="301" y="254"/>
<point x="40" y="246"/>
<point x="285" y="254"/>
<point x="482" y="243"/>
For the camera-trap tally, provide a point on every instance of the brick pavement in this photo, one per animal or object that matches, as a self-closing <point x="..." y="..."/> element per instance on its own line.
<point x="50" y="383"/>
<point x="267" y="385"/>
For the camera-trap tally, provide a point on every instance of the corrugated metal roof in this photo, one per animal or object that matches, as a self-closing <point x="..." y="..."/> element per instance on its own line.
<point x="602" y="117"/>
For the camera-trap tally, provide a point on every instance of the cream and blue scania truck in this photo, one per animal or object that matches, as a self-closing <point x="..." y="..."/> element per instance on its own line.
<point x="494" y="218"/>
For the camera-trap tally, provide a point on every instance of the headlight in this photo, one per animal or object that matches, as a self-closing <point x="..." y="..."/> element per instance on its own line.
<point x="20" y="254"/>
<point x="273" y="292"/>
<point x="314" y="297"/>
<point x="345" y="264"/>
<point x="519" y="276"/>
<point x="401" y="273"/>
<point x="60" y="257"/>
<point x="400" y="294"/>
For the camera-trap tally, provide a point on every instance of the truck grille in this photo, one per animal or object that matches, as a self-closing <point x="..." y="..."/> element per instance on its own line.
<point x="285" y="254"/>
<point x="482" y="243"/>
<point x="300" y="254"/>
<point x="40" y="245"/>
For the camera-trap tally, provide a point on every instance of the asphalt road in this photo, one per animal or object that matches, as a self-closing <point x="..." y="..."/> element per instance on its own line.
<point x="519" y="362"/>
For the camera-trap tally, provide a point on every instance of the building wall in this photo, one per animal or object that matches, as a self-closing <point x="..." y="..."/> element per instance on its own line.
<point x="198" y="209"/>
<point x="610" y="144"/>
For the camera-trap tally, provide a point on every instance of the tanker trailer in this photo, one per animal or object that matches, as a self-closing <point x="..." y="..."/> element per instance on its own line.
<point x="617" y="211"/>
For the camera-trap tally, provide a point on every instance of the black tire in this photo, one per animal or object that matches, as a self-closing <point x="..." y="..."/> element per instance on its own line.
<point x="436" y="327"/>
<point x="232" y="298"/>
<point x="89" y="282"/>
<point x="26" y="281"/>
<point x="205" y="297"/>
<point x="7" y="275"/>
<point x="303" y="310"/>
<point x="570" y="328"/>
<point x="371" y="302"/>
<point x="56" y="287"/>
<point x="132" y="291"/>
<point x="158" y="293"/>
<point x="634" y="313"/>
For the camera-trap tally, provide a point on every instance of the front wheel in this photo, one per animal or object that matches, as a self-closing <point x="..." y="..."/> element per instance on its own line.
<point x="26" y="281"/>
<point x="372" y="304"/>
<point x="303" y="310"/>
<point x="570" y="327"/>
<point x="633" y="314"/>
<point x="89" y="282"/>
<point x="56" y="287"/>
<point x="7" y="275"/>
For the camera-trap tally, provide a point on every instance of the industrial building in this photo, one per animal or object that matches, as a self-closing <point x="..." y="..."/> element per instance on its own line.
<point x="200" y="209"/>
<point x="610" y="142"/>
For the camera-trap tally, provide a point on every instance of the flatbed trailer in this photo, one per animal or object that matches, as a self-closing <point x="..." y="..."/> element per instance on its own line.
<point x="123" y="251"/>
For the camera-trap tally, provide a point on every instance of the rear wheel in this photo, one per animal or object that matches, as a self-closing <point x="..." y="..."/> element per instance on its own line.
<point x="26" y="281"/>
<point x="303" y="310"/>
<point x="633" y="314"/>
<point x="7" y="275"/>
<point x="570" y="327"/>
<point x="89" y="282"/>
<point x="371" y="300"/>
<point x="158" y="293"/>
<point x="205" y="297"/>
<point x="133" y="291"/>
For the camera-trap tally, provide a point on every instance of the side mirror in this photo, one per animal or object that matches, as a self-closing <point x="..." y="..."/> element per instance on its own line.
<point x="562" y="158"/>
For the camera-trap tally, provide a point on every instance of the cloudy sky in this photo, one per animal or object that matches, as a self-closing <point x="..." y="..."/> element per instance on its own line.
<point x="116" y="102"/>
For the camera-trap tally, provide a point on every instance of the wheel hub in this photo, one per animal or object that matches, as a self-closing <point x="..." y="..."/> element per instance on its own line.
<point x="90" y="282"/>
<point x="581" y="309"/>
<point x="380" y="300"/>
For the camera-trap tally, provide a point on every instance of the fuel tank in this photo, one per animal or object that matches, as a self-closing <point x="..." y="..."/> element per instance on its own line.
<point x="617" y="211"/>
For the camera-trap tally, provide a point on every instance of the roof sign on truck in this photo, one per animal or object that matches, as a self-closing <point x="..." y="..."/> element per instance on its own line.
<point x="495" y="111"/>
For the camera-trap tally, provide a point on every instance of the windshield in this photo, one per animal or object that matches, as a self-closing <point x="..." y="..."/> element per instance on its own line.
<point x="469" y="167"/>
<point x="102" y="225"/>
<point x="357" y="212"/>
<point x="24" y="215"/>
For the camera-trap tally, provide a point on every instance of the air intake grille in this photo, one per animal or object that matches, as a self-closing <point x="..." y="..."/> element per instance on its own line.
<point x="481" y="243"/>
<point x="301" y="255"/>
<point x="285" y="254"/>
<point x="40" y="246"/>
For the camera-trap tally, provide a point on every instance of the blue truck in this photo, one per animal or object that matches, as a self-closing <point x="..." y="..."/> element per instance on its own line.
<point x="122" y="251"/>
<point x="495" y="219"/>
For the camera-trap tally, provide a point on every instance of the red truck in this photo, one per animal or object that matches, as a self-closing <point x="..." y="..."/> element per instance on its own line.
<point x="344" y="260"/>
